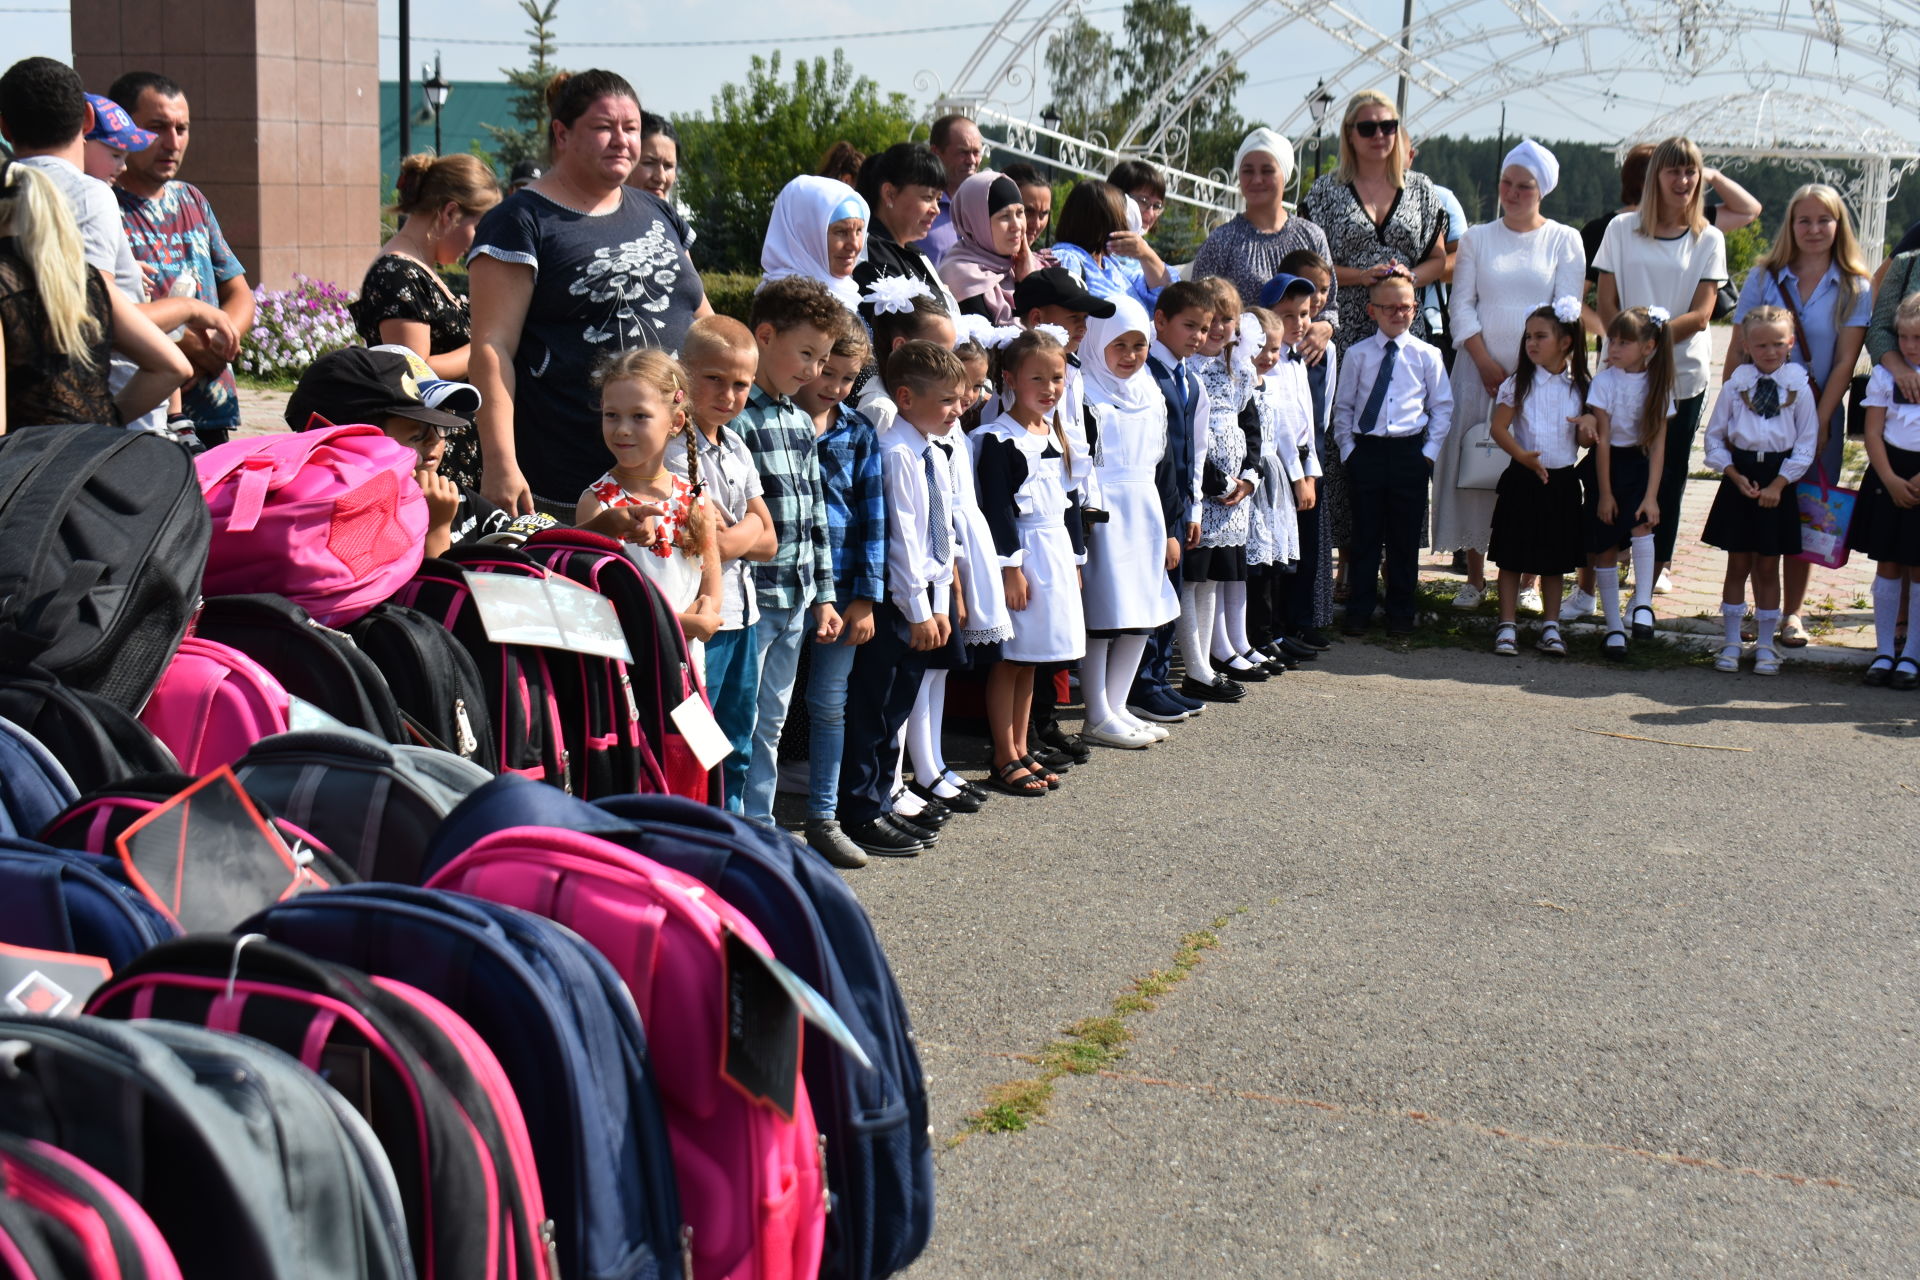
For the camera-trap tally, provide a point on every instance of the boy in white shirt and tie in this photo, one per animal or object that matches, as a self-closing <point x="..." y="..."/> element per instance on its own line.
<point x="1391" y="414"/>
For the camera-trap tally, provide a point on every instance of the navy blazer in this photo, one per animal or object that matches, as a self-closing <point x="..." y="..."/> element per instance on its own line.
<point x="1174" y="476"/>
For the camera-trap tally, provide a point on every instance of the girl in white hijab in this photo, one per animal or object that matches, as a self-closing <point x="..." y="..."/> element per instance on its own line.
<point x="1125" y="587"/>
<point x="818" y="230"/>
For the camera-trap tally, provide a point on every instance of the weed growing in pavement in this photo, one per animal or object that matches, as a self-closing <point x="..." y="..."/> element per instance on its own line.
<point x="1446" y="627"/>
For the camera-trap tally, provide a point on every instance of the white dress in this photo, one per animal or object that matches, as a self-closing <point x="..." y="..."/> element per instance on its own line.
<point x="988" y="621"/>
<point x="1285" y="405"/>
<point x="1127" y="587"/>
<point x="1221" y="525"/>
<point x="1024" y="482"/>
<point x="1500" y="277"/>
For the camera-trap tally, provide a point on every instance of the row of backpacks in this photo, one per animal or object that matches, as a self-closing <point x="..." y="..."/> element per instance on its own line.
<point x="371" y="1000"/>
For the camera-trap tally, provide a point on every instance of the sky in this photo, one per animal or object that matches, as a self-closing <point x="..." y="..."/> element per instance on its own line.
<point x="679" y="54"/>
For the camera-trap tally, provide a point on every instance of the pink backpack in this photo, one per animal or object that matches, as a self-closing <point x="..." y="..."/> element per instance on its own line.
<point x="330" y="518"/>
<point x="212" y="704"/>
<point x="751" y="1180"/>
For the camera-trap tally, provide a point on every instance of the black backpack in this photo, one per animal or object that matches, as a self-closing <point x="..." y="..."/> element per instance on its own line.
<point x="434" y="679"/>
<point x="312" y="662"/>
<point x="103" y="538"/>
<point x="95" y="739"/>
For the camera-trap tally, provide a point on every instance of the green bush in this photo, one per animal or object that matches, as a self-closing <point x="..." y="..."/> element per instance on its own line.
<point x="730" y="293"/>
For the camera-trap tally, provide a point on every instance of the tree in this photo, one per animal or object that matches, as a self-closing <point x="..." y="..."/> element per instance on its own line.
<point x="763" y="133"/>
<point x="528" y="139"/>
<point x="1080" y="61"/>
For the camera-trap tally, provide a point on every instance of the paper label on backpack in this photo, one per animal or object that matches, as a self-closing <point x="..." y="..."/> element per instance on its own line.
<point x="800" y="994"/>
<point x="303" y="715"/>
<point x="763" y="1029"/>
<point x="549" y="613"/>
<point x="53" y="984"/>
<point x="207" y="857"/>
<point x="694" y="719"/>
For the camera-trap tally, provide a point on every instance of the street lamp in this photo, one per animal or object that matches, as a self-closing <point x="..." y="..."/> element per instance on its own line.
<point x="437" y="88"/>
<point x="1317" y="104"/>
<point x="1050" y="121"/>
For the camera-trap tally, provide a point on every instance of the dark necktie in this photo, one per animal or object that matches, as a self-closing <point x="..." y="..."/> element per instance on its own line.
<point x="1370" y="415"/>
<point x="937" y="541"/>
<point x="1765" y="401"/>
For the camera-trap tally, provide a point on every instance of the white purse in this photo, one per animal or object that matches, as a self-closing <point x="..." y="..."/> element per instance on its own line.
<point x="1482" y="462"/>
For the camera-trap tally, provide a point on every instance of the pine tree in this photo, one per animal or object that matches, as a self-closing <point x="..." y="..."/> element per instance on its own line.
<point x="528" y="139"/>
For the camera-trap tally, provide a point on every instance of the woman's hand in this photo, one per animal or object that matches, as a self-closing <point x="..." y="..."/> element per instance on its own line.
<point x="1491" y="374"/>
<point x="636" y="524"/>
<point x="1313" y="343"/>
<point x="506" y="488"/>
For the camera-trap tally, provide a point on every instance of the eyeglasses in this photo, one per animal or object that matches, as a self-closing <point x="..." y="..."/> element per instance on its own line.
<point x="1367" y="128"/>
<point x="1397" y="309"/>
<point x="1150" y="206"/>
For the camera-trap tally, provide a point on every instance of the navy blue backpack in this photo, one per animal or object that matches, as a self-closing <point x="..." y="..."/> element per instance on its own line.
<point x="34" y="787"/>
<point x="879" y="1155"/>
<point x="567" y="1036"/>
<point x="62" y="900"/>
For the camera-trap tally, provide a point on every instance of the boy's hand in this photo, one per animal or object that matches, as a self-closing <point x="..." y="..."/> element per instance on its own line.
<point x="443" y="498"/>
<point x="826" y="623"/>
<point x="926" y="635"/>
<point x="857" y="623"/>
<point x="1304" y="495"/>
<point x="1173" y="554"/>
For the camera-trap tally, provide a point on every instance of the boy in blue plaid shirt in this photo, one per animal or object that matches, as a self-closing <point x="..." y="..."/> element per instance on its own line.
<point x="849" y="452"/>
<point x="794" y="323"/>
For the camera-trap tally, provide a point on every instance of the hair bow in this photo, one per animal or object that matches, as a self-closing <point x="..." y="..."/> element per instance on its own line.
<point x="894" y="295"/>
<point x="1566" y="309"/>
<point x="1659" y="315"/>
<point x="1055" y="332"/>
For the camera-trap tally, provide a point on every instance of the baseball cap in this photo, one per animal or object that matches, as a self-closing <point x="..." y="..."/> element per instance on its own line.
<point x="436" y="392"/>
<point x="1056" y="287"/>
<point x="362" y="385"/>
<point x="525" y="171"/>
<point x="1282" y="286"/>
<point x="520" y="530"/>
<point x="113" y="126"/>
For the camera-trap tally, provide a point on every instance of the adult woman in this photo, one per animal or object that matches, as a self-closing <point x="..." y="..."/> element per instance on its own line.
<point x="1088" y="239"/>
<point x="564" y="273"/>
<point x="1380" y="219"/>
<point x="59" y="320"/>
<point x="1505" y="270"/>
<point x="902" y="187"/>
<point x="818" y="228"/>
<point x="404" y="302"/>
<point x="990" y="253"/>
<point x="658" y="167"/>
<point x="1736" y="209"/>
<point x="842" y="163"/>
<point x="1815" y="270"/>
<point x="1665" y="254"/>
<point x="1248" y="247"/>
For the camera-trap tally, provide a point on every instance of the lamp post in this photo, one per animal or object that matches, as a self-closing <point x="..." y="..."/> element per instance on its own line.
<point x="437" y="88"/>
<point x="1050" y="121"/>
<point x="1317" y="104"/>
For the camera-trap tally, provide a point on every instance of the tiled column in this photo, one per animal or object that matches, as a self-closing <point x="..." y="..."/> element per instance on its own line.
<point x="286" y="118"/>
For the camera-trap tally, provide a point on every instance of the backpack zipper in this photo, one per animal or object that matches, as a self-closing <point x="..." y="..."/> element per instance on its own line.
<point x="549" y="1240"/>
<point x="686" y="1251"/>
<point x="633" y="707"/>
<point x="463" y="729"/>
<point x="826" y="1195"/>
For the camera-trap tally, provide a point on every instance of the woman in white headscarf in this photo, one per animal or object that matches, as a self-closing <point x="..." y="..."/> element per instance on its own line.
<point x="818" y="230"/>
<point x="1125" y="584"/>
<point x="1506" y="268"/>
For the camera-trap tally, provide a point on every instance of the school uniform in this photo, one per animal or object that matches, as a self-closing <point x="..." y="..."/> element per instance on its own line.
<point x="922" y="547"/>
<point x="1620" y="395"/>
<point x="1764" y="426"/>
<point x="1032" y="506"/>
<point x="1125" y="589"/>
<point x="1538" y="528"/>
<point x="1308" y="593"/>
<point x="1177" y="479"/>
<point x="1232" y="455"/>
<point x="1881" y="530"/>
<point x="1285" y="407"/>
<point x="1391" y="413"/>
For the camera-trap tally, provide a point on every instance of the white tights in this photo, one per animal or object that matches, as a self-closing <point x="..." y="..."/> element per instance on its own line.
<point x="1195" y="628"/>
<point x="1110" y="664"/>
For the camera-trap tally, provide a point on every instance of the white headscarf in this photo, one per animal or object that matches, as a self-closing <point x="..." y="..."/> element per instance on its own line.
<point x="1265" y="139"/>
<point x="1538" y="161"/>
<point x="1103" y="386"/>
<point x="796" y="242"/>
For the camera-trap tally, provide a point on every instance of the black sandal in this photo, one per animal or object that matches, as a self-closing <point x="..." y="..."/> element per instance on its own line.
<point x="1614" y="652"/>
<point x="1028" y="784"/>
<point x="1877" y="676"/>
<point x="1906" y="674"/>
<point x="1041" y="771"/>
<point x="1642" y="630"/>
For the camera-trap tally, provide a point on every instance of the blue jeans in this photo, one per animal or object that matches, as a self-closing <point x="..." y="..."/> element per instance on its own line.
<point x="778" y="637"/>
<point x="733" y="685"/>
<point x="827" y="724"/>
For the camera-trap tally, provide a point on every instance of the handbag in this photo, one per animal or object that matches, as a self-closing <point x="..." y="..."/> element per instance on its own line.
<point x="1826" y="513"/>
<point x="1482" y="462"/>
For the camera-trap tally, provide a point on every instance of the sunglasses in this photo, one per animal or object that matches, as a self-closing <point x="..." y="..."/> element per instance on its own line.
<point x="1367" y="128"/>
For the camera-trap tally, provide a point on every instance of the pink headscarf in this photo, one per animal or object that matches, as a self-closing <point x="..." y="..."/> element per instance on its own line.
<point x="971" y="268"/>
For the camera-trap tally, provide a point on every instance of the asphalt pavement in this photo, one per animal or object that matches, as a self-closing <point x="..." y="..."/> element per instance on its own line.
<point x="1496" y="996"/>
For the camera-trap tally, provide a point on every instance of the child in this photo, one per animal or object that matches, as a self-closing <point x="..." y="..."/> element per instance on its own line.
<point x="1214" y="577"/>
<point x="1631" y="400"/>
<point x="1308" y="592"/>
<point x="1886" y="523"/>
<point x="927" y="385"/>
<point x="643" y="403"/>
<point x="1289" y="465"/>
<point x="794" y="322"/>
<point x="720" y="357"/>
<point x="857" y="533"/>
<point x="1024" y="465"/>
<point x="1539" y="418"/>
<point x="1126" y="593"/>
<point x="1181" y="317"/>
<point x="898" y="310"/>
<point x="1761" y="437"/>
<point x="1391" y="412"/>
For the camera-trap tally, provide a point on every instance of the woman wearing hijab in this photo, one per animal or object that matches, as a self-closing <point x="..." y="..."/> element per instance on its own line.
<point x="991" y="254"/>
<point x="1506" y="268"/>
<point x="818" y="230"/>
<point x="1247" y="249"/>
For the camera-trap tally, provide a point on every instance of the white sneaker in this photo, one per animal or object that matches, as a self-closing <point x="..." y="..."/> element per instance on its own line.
<point x="1115" y="734"/>
<point x="1158" y="732"/>
<point x="1578" y="604"/>
<point x="1469" y="596"/>
<point x="1530" y="601"/>
<point x="1663" y="585"/>
<point x="1729" y="659"/>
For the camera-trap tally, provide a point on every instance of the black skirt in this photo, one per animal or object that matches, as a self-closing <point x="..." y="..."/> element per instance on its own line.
<point x="1740" y="524"/>
<point x="1536" y="527"/>
<point x="1628" y="468"/>
<point x="1880" y="530"/>
<point x="1213" y="564"/>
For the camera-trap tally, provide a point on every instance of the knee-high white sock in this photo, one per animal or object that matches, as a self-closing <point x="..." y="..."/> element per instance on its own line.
<point x="1234" y="610"/>
<point x="920" y="733"/>
<point x="1195" y="629"/>
<point x="1767" y="621"/>
<point x="1886" y="612"/>
<point x="1911" y="649"/>
<point x="1222" y="647"/>
<point x="936" y="723"/>
<point x="1731" y="616"/>
<point x="1093" y="682"/>
<point x="1642" y="548"/>
<point x="1608" y="582"/>
<point x="1123" y="663"/>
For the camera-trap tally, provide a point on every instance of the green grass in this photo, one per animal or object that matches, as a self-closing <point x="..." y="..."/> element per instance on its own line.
<point x="1473" y="629"/>
<point x="253" y="382"/>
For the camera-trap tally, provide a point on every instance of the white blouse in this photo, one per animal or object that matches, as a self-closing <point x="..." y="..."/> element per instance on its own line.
<point x="1541" y="426"/>
<point x="1903" y="420"/>
<point x="1735" y="426"/>
<point x="1620" y="394"/>
<point x="1502" y="275"/>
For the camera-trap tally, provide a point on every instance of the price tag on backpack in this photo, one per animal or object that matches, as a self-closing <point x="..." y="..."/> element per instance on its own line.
<point x="694" y="719"/>
<point x="763" y="1029"/>
<point x="52" y="984"/>
<point x="550" y="613"/>
<point x="303" y="715"/>
<point x="208" y="858"/>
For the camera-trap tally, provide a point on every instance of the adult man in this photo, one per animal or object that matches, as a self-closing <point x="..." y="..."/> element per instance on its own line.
<point x="46" y="116"/>
<point x="957" y="141"/>
<point x="177" y="239"/>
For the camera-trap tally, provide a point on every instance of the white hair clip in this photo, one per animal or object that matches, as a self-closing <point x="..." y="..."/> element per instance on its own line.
<point x="894" y="295"/>
<point x="1659" y="315"/>
<point x="1566" y="309"/>
<point x="969" y="326"/>
<point x="996" y="336"/>
<point x="1055" y="332"/>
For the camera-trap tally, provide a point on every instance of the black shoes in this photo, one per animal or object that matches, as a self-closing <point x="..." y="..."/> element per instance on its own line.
<point x="881" y="839"/>
<point x="1221" y="690"/>
<point x="1067" y="744"/>
<point x="1296" y="650"/>
<point x="966" y="802"/>
<point x="927" y="834"/>
<point x="1313" y="639"/>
